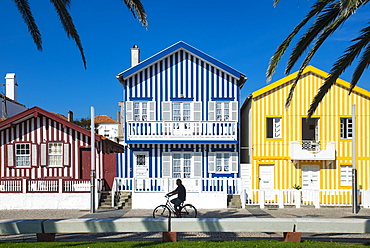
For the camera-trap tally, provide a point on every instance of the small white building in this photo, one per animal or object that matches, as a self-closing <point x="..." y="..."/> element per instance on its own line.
<point x="107" y="127"/>
<point x="9" y="98"/>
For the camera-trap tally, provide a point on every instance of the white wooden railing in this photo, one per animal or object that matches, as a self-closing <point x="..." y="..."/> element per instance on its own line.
<point x="44" y="186"/>
<point x="185" y="130"/>
<point x="312" y="150"/>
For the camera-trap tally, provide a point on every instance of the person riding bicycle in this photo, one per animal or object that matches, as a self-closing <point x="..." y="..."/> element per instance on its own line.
<point x="181" y="195"/>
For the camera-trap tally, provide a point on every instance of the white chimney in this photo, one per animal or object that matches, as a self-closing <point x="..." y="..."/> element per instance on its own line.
<point x="135" y="55"/>
<point x="11" y="86"/>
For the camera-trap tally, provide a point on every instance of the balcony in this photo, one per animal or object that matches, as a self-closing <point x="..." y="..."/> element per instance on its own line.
<point x="312" y="150"/>
<point x="174" y="131"/>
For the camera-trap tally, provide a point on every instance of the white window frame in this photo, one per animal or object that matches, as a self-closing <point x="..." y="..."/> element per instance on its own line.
<point x="346" y="128"/>
<point x="273" y="126"/>
<point x="184" y="157"/>
<point x="168" y="163"/>
<point x="140" y="111"/>
<point x="228" y="159"/>
<point x="345" y="175"/>
<point x="19" y="156"/>
<point x="222" y="111"/>
<point x="223" y="162"/>
<point x="55" y="156"/>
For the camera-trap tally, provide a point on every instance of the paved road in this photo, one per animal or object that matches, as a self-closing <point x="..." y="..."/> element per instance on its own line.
<point x="203" y="213"/>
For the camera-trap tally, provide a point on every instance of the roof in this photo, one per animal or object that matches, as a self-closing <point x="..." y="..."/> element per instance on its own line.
<point x="104" y="119"/>
<point x="311" y="69"/>
<point x="108" y="145"/>
<point x="11" y="100"/>
<point x="178" y="46"/>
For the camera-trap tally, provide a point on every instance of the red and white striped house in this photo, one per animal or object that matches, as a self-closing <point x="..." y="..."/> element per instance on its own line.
<point x="41" y="152"/>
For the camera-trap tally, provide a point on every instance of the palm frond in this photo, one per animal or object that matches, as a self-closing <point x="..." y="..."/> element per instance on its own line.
<point x="25" y="10"/>
<point x="329" y="14"/>
<point x="361" y="67"/>
<point x="276" y="2"/>
<point x="325" y="34"/>
<point x="317" y="7"/>
<point x="340" y="66"/>
<point x="137" y="9"/>
<point x="68" y="25"/>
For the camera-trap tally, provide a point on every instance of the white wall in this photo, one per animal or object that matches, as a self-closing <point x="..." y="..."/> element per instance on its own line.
<point x="45" y="201"/>
<point x="143" y="200"/>
<point x="108" y="128"/>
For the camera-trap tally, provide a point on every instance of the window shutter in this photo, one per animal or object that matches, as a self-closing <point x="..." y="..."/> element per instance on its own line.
<point x="234" y="162"/>
<point x="129" y="111"/>
<point x="197" y="164"/>
<point x="211" y="162"/>
<point x="166" y="111"/>
<point x="34" y="155"/>
<point x="10" y="154"/>
<point x="66" y="155"/>
<point x="43" y="155"/>
<point x="211" y="111"/>
<point x="166" y="164"/>
<point x="197" y="111"/>
<point x="151" y="111"/>
<point x="234" y="111"/>
<point x="277" y="127"/>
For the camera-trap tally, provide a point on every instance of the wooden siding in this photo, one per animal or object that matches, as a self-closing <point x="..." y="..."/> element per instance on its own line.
<point x="269" y="102"/>
<point x="38" y="130"/>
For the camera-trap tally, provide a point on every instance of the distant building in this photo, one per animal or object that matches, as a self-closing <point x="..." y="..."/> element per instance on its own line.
<point x="9" y="98"/>
<point x="107" y="127"/>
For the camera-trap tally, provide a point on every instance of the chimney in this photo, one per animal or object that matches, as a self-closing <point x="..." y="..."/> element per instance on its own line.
<point x="70" y="116"/>
<point x="135" y="55"/>
<point x="11" y="87"/>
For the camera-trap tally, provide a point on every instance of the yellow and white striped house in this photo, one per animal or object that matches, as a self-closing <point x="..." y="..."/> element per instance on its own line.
<point x="281" y="149"/>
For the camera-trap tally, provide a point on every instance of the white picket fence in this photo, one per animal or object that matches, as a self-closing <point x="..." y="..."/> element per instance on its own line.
<point x="249" y="197"/>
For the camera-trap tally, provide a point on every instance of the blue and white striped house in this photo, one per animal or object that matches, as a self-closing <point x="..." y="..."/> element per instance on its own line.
<point x="180" y="120"/>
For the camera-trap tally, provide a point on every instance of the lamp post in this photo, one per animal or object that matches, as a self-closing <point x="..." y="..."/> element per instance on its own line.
<point x="92" y="174"/>
<point x="354" y="170"/>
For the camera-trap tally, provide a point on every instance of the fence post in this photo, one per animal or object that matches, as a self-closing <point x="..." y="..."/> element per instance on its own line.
<point x="60" y="185"/>
<point x="24" y="185"/>
<point x="297" y="198"/>
<point x="281" y="198"/>
<point x="316" y="198"/>
<point x="262" y="198"/>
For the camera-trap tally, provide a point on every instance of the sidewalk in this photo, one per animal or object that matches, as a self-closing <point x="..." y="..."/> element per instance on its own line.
<point x="202" y="213"/>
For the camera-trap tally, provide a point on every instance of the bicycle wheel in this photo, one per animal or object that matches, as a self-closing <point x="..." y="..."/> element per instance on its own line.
<point x="188" y="211"/>
<point x="161" y="212"/>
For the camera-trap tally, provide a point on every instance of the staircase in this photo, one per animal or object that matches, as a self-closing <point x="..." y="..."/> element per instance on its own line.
<point x="123" y="200"/>
<point x="233" y="201"/>
<point x="105" y="200"/>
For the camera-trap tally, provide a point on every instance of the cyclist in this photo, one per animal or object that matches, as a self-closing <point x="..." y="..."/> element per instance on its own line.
<point x="181" y="195"/>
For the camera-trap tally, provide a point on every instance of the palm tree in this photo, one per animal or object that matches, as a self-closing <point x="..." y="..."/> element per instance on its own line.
<point x="61" y="7"/>
<point x="328" y="15"/>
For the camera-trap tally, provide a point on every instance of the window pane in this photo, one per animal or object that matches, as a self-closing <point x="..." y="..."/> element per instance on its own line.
<point x="55" y="154"/>
<point x="22" y="155"/>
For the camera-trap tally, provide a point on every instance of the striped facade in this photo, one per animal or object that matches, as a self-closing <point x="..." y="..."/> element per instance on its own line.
<point x="37" y="128"/>
<point x="329" y="127"/>
<point x="185" y="78"/>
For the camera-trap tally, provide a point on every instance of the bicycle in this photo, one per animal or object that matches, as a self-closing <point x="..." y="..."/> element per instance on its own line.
<point x="164" y="211"/>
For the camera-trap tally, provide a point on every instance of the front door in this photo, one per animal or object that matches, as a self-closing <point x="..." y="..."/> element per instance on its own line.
<point x="267" y="180"/>
<point x="141" y="164"/>
<point x="310" y="181"/>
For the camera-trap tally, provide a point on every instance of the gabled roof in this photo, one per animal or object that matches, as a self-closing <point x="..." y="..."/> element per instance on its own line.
<point x="104" y="119"/>
<point x="178" y="46"/>
<point x="36" y="111"/>
<point x="311" y="69"/>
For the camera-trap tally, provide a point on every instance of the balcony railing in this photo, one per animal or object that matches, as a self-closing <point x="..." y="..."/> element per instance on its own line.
<point x="174" y="130"/>
<point x="312" y="150"/>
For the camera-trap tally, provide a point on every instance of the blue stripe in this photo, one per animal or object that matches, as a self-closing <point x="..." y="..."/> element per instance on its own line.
<point x="181" y="142"/>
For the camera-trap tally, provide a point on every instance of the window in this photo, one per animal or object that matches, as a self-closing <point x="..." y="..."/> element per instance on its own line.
<point x="140" y="111"/>
<point x="181" y="111"/>
<point x="273" y="128"/>
<point x="22" y="155"/>
<point x="346" y="175"/>
<point x="346" y="128"/>
<point x="181" y="165"/>
<point x="222" y="111"/>
<point x="55" y="154"/>
<point x="222" y="162"/>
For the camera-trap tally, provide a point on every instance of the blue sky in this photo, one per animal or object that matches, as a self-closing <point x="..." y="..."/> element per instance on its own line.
<point x="242" y="34"/>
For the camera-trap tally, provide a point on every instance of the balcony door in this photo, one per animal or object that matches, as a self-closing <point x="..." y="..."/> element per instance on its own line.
<point x="310" y="129"/>
<point x="180" y="114"/>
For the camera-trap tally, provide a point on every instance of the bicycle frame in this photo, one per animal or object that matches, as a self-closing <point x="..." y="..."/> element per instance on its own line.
<point x="171" y="206"/>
